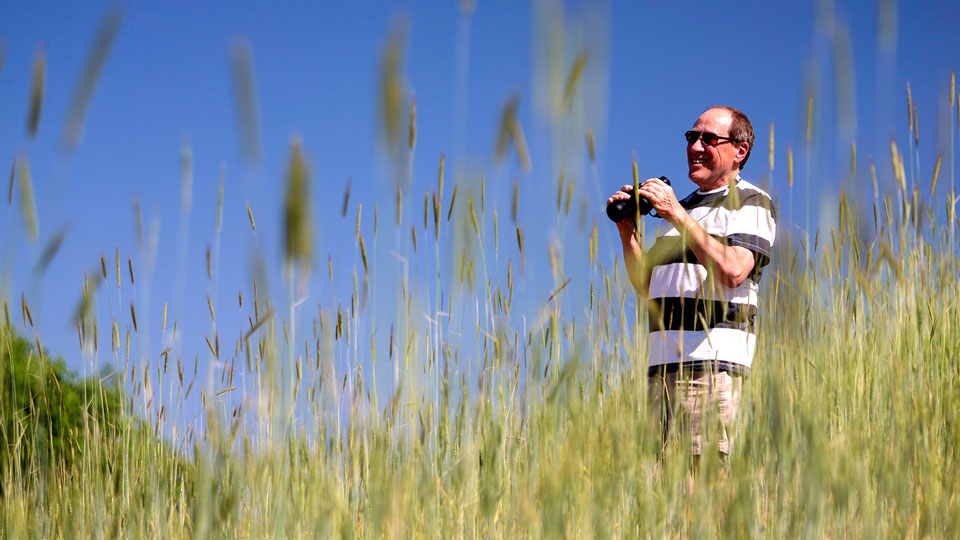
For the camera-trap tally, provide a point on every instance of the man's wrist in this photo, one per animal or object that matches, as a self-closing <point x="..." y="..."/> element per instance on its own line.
<point x="681" y="222"/>
<point x="629" y="239"/>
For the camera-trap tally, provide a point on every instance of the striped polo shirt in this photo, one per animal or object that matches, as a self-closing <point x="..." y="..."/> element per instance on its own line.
<point x="696" y="321"/>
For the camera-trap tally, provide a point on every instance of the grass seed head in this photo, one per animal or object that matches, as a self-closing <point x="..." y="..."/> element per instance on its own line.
<point x="392" y="86"/>
<point x="186" y="176"/>
<point x="790" y="167"/>
<point x="356" y="228"/>
<point x="510" y="131"/>
<point x="412" y="142"/>
<point x="953" y="89"/>
<point x="36" y="92"/>
<point x="916" y="128"/>
<point x="594" y="244"/>
<point x="440" y="177"/>
<point x="504" y="131"/>
<point x="13" y="169"/>
<point x="245" y="99"/>
<point x="473" y="217"/>
<point x="50" y="251"/>
<point x="896" y="161"/>
<point x="72" y="132"/>
<point x="853" y="159"/>
<point x="483" y="190"/>
<point x="399" y="206"/>
<point x="297" y="221"/>
<point x="453" y="199"/>
<point x="28" y="207"/>
<point x="220" y="186"/>
<point x="910" y="108"/>
<point x="520" y="143"/>
<point x="591" y="147"/>
<point x="346" y="198"/>
<point x="426" y="208"/>
<point x="496" y="235"/>
<point x="25" y="310"/>
<point x="515" y="201"/>
<point x="559" y="191"/>
<point x="936" y="173"/>
<point x="576" y="71"/>
<point x="253" y="224"/>
<point x="363" y="255"/>
<point x="138" y="220"/>
<point x="436" y="216"/>
<point x="770" y="149"/>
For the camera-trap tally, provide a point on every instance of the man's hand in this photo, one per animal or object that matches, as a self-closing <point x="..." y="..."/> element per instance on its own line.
<point x="626" y="226"/>
<point x="664" y="201"/>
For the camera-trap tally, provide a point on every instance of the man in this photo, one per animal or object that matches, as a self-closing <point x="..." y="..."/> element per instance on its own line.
<point x="701" y="279"/>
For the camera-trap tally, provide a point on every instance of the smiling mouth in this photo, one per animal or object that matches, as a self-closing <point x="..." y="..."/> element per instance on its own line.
<point x="696" y="162"/>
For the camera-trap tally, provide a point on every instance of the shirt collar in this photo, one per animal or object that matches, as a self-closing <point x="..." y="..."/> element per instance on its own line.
<point x="719" y="189"/>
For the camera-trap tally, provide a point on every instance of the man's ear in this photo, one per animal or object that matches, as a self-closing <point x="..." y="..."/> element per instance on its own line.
<point x="742" y="152"/>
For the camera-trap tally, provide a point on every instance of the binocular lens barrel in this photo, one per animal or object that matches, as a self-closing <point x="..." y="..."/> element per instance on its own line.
<point x="619" y="210"/>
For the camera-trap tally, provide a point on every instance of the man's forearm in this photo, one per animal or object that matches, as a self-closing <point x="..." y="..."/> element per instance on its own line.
<point x="730" y="264"/>
<point x="633" y="261"/>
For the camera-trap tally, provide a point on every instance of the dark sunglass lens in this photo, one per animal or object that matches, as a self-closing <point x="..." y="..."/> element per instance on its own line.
<point x="710" y="139"/>
<point x="692" y="136"/>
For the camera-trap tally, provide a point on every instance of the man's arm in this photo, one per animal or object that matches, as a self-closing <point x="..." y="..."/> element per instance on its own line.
<point x="729" y="264"/>
<point x="633" y="260"/>
<point x="632" y="252"/>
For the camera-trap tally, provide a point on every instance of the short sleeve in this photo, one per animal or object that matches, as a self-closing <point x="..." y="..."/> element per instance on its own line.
<point x="753" y="226"/>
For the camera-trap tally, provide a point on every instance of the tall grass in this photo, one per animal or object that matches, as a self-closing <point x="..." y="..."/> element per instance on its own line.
<point x="850" y="426"/>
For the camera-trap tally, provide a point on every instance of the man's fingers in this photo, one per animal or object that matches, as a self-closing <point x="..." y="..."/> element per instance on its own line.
<point x="618" y="196"/>
<point x="654" y="181"/>
<point x="655" y="186"/>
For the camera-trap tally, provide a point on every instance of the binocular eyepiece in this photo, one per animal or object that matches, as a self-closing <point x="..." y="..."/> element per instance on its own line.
<point x="619" y="210"/>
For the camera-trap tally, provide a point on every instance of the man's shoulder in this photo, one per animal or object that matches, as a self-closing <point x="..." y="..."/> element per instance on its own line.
<point x="749" y="190"/>
<point x="752" y="194"/>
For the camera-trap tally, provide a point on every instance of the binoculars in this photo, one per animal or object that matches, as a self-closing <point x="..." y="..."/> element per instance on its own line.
<point x="619" y="210"/>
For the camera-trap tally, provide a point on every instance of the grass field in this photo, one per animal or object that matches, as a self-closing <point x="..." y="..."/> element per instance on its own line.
<point x="849" y="428"/>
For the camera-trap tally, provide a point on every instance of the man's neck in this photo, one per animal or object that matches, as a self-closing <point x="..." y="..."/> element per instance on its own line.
<point x="722" y="182"/>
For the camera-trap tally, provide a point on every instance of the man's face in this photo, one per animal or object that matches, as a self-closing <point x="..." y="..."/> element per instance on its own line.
<point x="711" y="167"/>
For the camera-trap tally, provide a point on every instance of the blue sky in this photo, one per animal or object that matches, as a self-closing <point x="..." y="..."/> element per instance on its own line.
<point x="651" y="69"/>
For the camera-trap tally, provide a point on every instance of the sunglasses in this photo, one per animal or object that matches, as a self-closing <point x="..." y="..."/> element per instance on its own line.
<point x="709" y="139"/>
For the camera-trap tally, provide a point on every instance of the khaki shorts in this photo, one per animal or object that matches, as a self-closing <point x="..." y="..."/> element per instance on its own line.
<point x="703" y="403"/>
